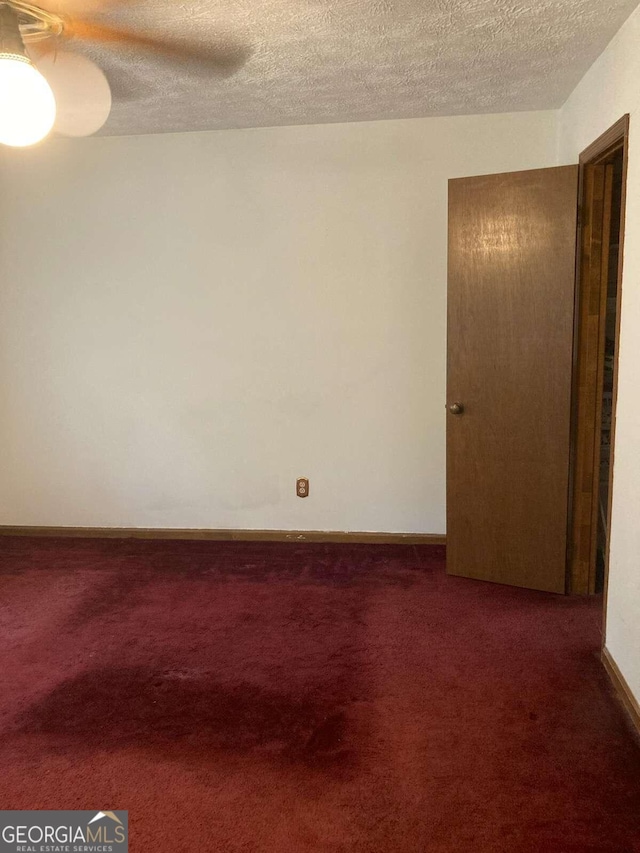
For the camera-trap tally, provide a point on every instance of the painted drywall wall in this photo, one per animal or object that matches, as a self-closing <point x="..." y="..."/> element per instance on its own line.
<point x="190" y="322"/>
<point x="610" y="89"/>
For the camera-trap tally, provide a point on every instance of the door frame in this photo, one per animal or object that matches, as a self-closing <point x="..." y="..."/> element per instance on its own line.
<point x="585" y="443"/>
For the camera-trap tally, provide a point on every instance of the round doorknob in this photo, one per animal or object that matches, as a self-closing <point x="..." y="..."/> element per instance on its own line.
<point x="456" y="408"/>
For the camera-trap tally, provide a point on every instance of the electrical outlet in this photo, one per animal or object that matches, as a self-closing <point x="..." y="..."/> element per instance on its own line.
<point x="302" y="487"/>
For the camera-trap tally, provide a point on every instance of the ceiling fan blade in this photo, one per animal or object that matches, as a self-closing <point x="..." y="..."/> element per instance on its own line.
<point x="225" y="57"/>
<point x="78" y="7"/>
<point x="82" y="93"/>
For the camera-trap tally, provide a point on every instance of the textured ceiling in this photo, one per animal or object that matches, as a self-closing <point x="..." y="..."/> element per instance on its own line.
<point x="309" y="61"/>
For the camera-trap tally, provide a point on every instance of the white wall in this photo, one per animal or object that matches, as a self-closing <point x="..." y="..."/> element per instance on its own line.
<point x="189" y="322"/>
<point x="610" y="89"/>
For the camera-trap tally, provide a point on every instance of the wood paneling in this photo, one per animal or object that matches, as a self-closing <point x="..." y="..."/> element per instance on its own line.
<point x="512" y="247"/>
<point x="228" y="535"/>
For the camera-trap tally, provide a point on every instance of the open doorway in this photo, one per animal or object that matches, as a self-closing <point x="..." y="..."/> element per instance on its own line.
<point x="603" y="169"/>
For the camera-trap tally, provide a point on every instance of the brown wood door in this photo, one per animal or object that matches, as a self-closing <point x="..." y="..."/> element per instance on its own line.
<point x="512" y="248"/>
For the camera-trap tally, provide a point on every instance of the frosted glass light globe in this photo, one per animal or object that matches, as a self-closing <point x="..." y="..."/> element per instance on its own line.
<point x="27" y="105"/>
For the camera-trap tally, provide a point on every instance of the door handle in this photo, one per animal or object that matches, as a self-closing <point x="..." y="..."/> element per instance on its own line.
<point x="456" y="408"/>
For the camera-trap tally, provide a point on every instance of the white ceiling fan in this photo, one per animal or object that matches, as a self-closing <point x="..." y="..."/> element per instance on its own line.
<point x="45" y="87"/>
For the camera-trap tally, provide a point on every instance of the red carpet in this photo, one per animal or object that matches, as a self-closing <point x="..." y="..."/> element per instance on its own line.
<point x="292" y="698"/>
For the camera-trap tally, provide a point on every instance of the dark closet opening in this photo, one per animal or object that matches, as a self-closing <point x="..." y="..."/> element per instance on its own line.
<point x="608" y="355"/>
<point x="603" y="171"/>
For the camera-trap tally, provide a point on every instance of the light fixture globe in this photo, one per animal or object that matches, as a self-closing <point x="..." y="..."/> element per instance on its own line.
<point x="27" y="104"/>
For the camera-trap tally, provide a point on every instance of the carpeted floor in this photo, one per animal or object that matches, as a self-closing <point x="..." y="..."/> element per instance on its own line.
<point x="293" y="698"/>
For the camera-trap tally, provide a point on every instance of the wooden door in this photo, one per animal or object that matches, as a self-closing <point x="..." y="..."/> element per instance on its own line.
<point x="512" y="248"/>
